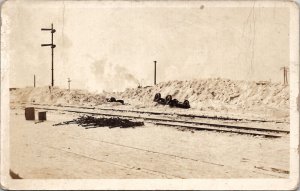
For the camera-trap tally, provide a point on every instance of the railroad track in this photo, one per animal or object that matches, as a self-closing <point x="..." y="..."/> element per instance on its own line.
<point x="165" y="113"/>
<point x="208" y="126"/>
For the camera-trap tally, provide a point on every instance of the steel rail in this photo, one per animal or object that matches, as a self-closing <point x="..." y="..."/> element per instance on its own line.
<point x="163" y="113"/>
<point x="273" y="133"/>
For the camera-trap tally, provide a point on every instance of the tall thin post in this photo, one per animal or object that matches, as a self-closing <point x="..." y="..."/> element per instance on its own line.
<point x="285" y="74"/>
<point x="283" y="68"/>
<point x="52" y="51"/>
<point x="33" y="80"/>
<point x="52" y="48"/>
<point x="154" y="72"/>
<point x="286" y="78"/>
<point x="69" y="81"/>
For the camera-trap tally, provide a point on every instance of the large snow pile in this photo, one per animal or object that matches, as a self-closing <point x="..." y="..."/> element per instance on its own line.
<point x="218" y="92"/>
<point x="55" y="96"/>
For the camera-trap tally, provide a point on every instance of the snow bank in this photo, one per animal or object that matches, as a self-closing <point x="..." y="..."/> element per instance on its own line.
<point x="215" y="92"/>
<point x="205" y="93"/>
<point x="55" y="96"/>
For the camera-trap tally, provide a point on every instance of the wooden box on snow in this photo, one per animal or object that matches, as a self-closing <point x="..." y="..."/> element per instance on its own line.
<point x="42" y="116"/>
<point x="29" y="113"/>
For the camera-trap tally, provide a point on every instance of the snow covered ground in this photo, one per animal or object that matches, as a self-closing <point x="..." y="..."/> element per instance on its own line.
<point x="41" y="150"/>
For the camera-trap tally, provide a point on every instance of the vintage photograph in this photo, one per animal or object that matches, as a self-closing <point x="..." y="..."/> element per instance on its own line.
<point x="149" y="90"/>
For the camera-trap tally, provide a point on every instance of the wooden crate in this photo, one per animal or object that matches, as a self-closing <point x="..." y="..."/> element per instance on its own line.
<point x="29" y="113"/>
<point x="42" y="116"/>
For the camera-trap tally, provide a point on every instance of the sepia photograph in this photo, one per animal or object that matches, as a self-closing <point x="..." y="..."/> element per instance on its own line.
<point x="149" y="94"/>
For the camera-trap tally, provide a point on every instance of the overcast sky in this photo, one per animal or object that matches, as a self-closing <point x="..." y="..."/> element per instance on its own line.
<point x="112" y="46"/>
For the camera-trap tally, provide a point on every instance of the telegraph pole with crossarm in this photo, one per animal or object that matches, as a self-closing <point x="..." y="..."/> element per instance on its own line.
<point x="52" y="50"/>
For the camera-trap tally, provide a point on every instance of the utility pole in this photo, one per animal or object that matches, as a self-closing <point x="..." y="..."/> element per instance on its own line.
<point x="285" y="71"/>
<point x="69" y="81"/>
<point x="52" y="49"/>
<point x="154" y="72"/>
<point x="34" y="80"/>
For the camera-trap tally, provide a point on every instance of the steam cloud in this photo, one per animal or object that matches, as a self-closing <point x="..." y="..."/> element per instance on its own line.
<point x="107" y="76"/>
